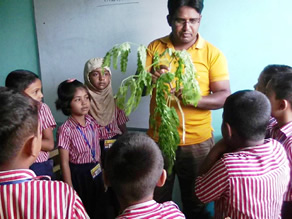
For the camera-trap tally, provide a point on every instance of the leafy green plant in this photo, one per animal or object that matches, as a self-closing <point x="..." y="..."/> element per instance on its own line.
<point x="131" y="89"/>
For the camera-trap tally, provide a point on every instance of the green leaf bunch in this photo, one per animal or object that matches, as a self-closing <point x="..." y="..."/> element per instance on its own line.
<point x="130" y="92"/>
<point x="168" y="136"/>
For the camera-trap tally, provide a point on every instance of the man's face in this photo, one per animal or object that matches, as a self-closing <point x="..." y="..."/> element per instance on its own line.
<point x="185" y="25"/>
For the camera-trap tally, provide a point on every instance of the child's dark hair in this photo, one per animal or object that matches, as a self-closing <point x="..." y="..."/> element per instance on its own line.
<point x="248" y="112"/>
<point x="174" y="5"/>
<point x="271" y="70"/>
<point x="20" y="79"/>
<point x="18" y="121"/>
<point x="133" y="166"/>
<point x="282" y="86"/>
<point x="66" y="92"/>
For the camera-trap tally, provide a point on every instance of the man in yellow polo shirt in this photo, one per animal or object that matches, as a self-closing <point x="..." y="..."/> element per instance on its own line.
<point x="184" y="19"/>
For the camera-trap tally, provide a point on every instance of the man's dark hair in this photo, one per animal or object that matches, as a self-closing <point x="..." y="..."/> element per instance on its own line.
<point x="18" y="121"/>
<point x="248" y="112"/>
<point x="271" y="70"/>
<point x="20" y="79"/>
<point x="282" y="86"/>
<point x="66" y="92"/>
<point x="174" y="5"/>
<point x="133" y="166"/>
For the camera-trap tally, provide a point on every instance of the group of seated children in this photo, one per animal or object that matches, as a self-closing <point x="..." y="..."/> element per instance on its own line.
<point x="247" y="173"/>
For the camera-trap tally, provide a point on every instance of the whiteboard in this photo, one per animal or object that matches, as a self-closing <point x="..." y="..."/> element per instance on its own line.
<point x="71" y="32"/>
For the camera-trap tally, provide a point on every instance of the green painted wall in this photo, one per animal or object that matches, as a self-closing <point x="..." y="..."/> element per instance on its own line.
<point x="18" y="44"/>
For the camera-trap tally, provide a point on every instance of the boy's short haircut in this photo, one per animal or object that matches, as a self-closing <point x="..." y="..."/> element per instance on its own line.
<point x="66" y="91"/>
<point x="18" y="121"/>
<point x="174" y="5"/>
<point x="248" y="112"/>
<point x="20" y="79"/>
<point x="133" y="166"/>
<point x="271" y="70"/>
<point x="282" y="86"/>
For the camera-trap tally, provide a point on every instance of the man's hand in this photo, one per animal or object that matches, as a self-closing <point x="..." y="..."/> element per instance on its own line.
<point x="158" y="72"/>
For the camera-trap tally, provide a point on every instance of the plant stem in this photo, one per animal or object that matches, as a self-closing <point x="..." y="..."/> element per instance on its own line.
<point x="183" y="119"/>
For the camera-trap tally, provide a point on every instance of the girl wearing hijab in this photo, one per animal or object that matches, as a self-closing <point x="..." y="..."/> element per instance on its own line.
<point x="103" y="109"/>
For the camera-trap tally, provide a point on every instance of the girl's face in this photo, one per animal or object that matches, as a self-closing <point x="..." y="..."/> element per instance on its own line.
<point x="34" y="90"/>
<point x="80" y="103"/>
<point x="98" y="80"/>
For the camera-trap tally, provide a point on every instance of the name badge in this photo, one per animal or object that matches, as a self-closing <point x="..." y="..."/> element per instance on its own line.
<point x="95" y="171"/>
<point x="108" y="143"/>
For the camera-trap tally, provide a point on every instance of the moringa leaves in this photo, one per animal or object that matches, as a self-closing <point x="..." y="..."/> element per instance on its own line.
<point x="130" y="92"/>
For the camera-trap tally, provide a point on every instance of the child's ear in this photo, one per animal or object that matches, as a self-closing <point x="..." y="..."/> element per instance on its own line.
<point x="284" y="104"/>
<point x="162" y="178"/>
<point x="31" y="146"/>
<point x="229" y="131"/>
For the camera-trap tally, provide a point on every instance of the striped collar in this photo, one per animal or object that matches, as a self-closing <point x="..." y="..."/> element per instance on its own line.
<point x="74" y="123"/>
<point x="286" y="129"/>
<point x="19" y="175"/>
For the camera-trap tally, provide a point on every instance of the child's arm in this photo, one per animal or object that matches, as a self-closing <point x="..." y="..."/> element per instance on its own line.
<point x="216" y="152"/>
<point x="47" y="140"/>
<point x="123" y="128"/>
<point x="122" y="119"/>
<point x="64" y="156"/>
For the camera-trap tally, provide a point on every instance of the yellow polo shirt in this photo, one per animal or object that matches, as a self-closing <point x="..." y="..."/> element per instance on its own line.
<point x="211" y="66"/>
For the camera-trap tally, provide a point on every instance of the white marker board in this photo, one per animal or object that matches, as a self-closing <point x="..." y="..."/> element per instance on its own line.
<point x="71" y="32"/>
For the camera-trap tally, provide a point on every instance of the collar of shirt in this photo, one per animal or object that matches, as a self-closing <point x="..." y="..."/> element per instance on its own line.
<point x="16" y="175"/>
<point x="141" y="205"/>
<point x="256" y="148"/>
<point x="287" y="129"/>
<point x="200" y="43"/>
<point x="75" y="123"/>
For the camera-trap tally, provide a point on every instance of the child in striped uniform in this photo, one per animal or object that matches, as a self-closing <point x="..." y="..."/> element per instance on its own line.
<point x="78" y="143"/>
<point x="103" y="107"/>
<point x="133" y="167"/>
<point x="245" y="174"/>
<point x="279" y="92"/>
<point x="27" y="82"/>
<point x="22" y="193"/>
<point x="111" y="119"/>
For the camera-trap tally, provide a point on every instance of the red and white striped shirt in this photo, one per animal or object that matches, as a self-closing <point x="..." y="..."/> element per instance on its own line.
<point x="284" y="136"/>
<point x="112" y="129"/>
<point x="23" y="195"/>
<point x="46" y="121"/>
<point x="152" y="209"/>
<point x="246" y="184"/>
<point x="73" y="137"/>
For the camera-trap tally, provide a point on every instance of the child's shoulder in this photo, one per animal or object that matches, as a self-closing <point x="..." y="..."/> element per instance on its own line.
<point x="287" y="129"/>
<point x="44" y="107"/>
<point x="66" y="126"/>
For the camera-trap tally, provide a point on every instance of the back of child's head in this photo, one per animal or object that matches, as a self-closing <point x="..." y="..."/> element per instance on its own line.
<point x="281" y="85"/>
<point x="66" y="92"/>
<point x="20" y="79"/>
<point x="248" y="113"/>
<point x="133" y="166"/>
<point x="270" y="71"/>
<point x="18" y="121"/>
